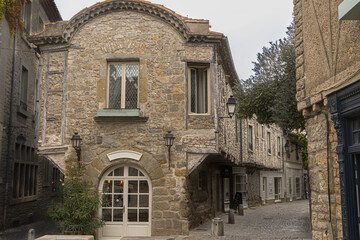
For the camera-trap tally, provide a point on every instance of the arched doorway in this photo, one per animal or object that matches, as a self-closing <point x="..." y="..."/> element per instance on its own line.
<point x="126" y="208"/>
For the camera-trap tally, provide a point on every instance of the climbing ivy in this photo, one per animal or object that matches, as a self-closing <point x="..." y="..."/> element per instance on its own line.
<point x="12" y="11"/>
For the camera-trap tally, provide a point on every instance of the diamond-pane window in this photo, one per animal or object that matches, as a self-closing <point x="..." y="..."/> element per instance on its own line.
<point x="198" y="90"/>
<point x="123" y="85"/>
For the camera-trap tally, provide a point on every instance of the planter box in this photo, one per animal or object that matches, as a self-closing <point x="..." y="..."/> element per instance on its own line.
<point x="66" y="237"/>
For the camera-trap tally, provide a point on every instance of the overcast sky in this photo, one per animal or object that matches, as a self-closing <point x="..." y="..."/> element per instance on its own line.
<point x="249" y="25"/>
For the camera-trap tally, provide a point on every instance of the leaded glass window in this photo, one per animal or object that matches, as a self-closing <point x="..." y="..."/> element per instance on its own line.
<point x="123" y="85"/>
<point x="199" y="90"/>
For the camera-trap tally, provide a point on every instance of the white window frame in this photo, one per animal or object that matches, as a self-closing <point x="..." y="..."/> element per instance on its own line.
<point x="123" y="84"/>
<point x="241" y="183"/>
<point x="203" y="68"/>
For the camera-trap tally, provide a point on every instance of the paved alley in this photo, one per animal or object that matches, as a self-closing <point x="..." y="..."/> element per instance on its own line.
<point x="290" y="220"/>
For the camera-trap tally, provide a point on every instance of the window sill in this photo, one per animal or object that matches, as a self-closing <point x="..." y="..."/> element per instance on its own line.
<point x="22" y="112"/>
<point x="119" y="115"/>
<point x="22" y="200"/>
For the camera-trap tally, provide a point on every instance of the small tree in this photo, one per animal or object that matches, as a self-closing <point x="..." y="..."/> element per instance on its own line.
<point x="77" y="205"/>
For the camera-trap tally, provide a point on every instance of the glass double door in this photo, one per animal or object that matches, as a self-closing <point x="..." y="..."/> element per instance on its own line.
<point x="126" y="196"/>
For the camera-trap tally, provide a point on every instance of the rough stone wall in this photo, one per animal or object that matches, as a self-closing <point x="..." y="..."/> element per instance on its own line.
<point x="162" y="57"/>
<point x="259" y="154"/>
<point x="23" y="121"/>
<point x="254" y="186"/>
<point x="326" y="60"/>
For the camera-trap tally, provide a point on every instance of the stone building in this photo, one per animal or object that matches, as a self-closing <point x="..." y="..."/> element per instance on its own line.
<point x="122" y="73"/>
<point x="327" y="53"/>
<point x="266" y="173"/>
<point x="25" y="179"/>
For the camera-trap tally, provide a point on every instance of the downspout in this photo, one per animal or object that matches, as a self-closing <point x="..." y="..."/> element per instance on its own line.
<point x="10" y="131"/>
<point x="241" y="139"/>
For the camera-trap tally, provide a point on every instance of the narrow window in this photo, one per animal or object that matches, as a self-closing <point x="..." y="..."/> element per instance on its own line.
<point x="250" y="137"/>
<point x="278" y="146"/>
<point x="199" y="90"/>
<point x="24" y="88"/>
<point x="257" y="130"/>
<point x="269" y="142"/>
<point x="27" y="17"/>
<point x="262" y="132"/>
<point x="123" y="80"/>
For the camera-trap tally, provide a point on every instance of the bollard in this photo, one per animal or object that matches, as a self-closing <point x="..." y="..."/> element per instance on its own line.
<point x="217" y="227"/>
<point x="241" y="210"/>
<point x="31" y="234"/>
<point x="231" y="216"/>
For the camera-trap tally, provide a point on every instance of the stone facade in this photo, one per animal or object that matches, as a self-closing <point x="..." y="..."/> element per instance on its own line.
<point x="22" y="209"/>
<point x="75" y="56"/>
<point x="326" y="59"/>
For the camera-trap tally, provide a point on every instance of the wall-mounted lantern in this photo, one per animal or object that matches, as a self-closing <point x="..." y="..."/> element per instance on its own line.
<point x="21" y="139"/>
<point x="76" y="143"/>
<point x="169" y="141"/>
<point x="230" y="106"/>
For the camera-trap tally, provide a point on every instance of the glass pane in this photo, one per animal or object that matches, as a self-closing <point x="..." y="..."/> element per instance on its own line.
<point x="111" y="174"/>
<point x="143" y="215"/>
<point x="133" y="201"/>
<point x="106" y="213"/>
<point x="140" y="173"/>
<point x="143" y="200"/>
<point x="107" y="200"/>
<point x="133" y="186"/>
<point x="192" y="90"/>
<point x="118" y="215"/>
<point x="118" y="200"/>
<point x="144" y="187"/>
<point x="115" y="78"/>
<point x="119" y="172"/>
<point x="107" y="188"/>
<point x="119" y="186"/>
<point x="200" y="92"/>
<point x="132" y="215"/>
<point x="132" y="73"/>
<point x="133" y="172"/>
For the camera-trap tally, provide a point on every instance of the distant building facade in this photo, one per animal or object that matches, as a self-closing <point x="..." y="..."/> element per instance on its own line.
<point x="327" y="52"/>
<point x="25" y="179"/>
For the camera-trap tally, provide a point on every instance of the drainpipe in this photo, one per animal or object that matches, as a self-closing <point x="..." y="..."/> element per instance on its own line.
<point x="10" y="130"/>
<point x="241" y="148"/>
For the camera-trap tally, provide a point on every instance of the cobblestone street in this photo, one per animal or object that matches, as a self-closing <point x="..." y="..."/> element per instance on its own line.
<point x="290" y="220"/>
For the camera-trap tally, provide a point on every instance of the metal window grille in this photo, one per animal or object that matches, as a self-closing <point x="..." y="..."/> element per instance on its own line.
<point x="132" y="75"/>
<point x="115" y="81"/>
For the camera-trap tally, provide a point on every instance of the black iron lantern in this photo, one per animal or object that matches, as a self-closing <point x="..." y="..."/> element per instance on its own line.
<point x="76" y="143"/>
<point x="169" y="141"/>
<point x="21" y="139"/>
<point x="231" y="106"/>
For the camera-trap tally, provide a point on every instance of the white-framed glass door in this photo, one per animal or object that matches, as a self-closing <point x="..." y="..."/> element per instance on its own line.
<point x="126" y="206"/>
<point x="241" y="186"/>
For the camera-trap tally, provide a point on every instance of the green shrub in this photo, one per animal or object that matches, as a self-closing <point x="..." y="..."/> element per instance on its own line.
<point x="77" y="204"/>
